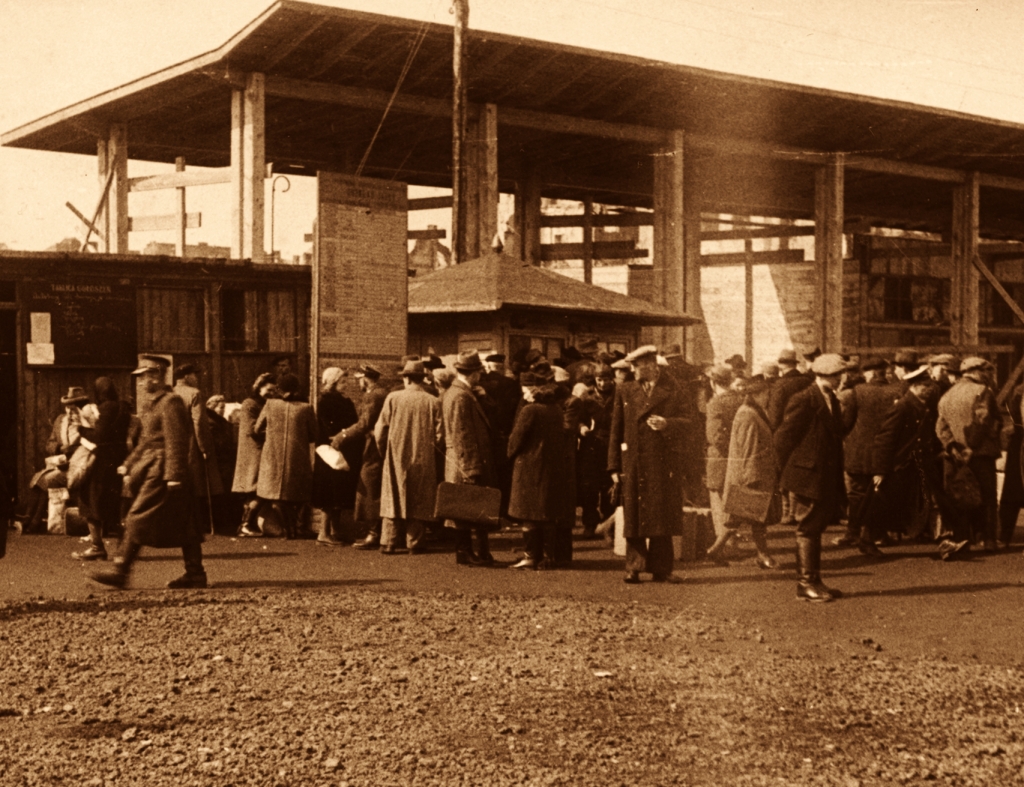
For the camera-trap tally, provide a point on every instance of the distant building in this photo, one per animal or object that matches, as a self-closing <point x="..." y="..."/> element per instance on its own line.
<point x="200" y="250"/>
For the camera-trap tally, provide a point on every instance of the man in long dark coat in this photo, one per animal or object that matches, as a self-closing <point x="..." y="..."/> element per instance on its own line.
<point x="645" y="457"/>
<point x="163" y="509"/>
<point x="202" y="454"/>
<point x="469" y="452"/>
<point x="864" y="410"/>
<point x="809" y="444"/>
<point x="409" y="435"/>
<point x="367" y="510"/>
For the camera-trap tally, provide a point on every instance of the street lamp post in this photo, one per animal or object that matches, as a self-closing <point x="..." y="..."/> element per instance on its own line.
<point x="273" y="191"/>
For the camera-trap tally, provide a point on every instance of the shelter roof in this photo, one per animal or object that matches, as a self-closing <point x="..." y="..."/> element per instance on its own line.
<point x="330" y="71"/>
<point x="495" y="281"/>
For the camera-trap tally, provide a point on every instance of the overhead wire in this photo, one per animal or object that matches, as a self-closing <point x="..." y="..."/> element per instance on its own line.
<point x="417" y="43"/>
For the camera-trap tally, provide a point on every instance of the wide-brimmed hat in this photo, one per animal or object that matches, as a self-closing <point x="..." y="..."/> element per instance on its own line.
<point x="367" y="371"/>
<point x="737" y="361"/>
<point x="76" y="395"/>
<point x="642" y="352"/>
<point x="469" y="362"/>
<point x="432" y="362"/>
<point x="495" y="358"/>
<point x="828" y="364"/>
<point x="413" y="369"/>
<point x="787" y="356"/>
<point x="149" y="363"/>
<point x="919" y="375"/>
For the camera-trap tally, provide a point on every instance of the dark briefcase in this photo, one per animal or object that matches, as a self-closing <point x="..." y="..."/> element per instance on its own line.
<point x="468" y="503"/>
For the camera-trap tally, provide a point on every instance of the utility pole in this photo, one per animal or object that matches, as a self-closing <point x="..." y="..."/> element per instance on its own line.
<point x="459" y="130"/>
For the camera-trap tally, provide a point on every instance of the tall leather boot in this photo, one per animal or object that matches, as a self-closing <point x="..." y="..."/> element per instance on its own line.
<point x="808" y="562"/>
<point x="483" y="547"/>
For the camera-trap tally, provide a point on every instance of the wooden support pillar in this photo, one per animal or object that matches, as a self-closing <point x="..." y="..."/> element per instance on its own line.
<point x="248" y="169"/>
<point x="669" y="235"/>
<point x="748" y="297"/>
<point x="112" y="156"/>
<point x="963" y="324"/>
<point x="180" y="214"/>
<point x="697" y="347"/>
<point x="828" y="250"/>
<point x="480" y="180"/>
<point x="588" y="239"/>
<point x="527" y="211"/>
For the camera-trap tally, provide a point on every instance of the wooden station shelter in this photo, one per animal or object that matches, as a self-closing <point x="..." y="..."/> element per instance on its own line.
<point x="915" y="213"/>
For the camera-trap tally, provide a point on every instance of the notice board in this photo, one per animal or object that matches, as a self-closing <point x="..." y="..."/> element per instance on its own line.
<point x="85" y="322"/>
<point x="360" y="278"/>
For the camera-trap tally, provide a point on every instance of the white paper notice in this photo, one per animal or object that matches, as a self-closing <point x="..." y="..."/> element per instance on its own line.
<point x="39" y="353"/>
<point x="40" y="328"/>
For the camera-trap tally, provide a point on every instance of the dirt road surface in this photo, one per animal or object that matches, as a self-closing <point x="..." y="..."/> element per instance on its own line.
<point x="303" y="665"/>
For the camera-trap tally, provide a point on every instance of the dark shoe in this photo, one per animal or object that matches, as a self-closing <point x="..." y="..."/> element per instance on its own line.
<point x="188" y="581"/>
<point x="670" y="579"/>
<point x="813" y="591"/>
<point x="247" y="531"/>
<point x="525" y="563"/>
<point x="632" y="578"/>
<point x="485" y="559"/>
<point x="370" y="542"/>
<point x="467" y="559"/>
<point x="766" y="562"/>
<point x="717" y="558"/>
<point x="868" y="548"/>
<point x="417" y="550"/>
<point x="391" y="549"/>
<point x="92" y="553"/>
<point x="329" y="541"/>
<point x="114" y="579"/>
<point x="949" y="549"/>
<point x="588" y="534"/>
<point x="847" y="540"/>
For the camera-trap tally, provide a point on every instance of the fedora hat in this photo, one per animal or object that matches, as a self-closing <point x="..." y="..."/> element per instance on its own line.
<point x="469" y="362"/>
<point x="367" y="371"/>
<point x="76" y="395"/>
<point x="413" y="369"/>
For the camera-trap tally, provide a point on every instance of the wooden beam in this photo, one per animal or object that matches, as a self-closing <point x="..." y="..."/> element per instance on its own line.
<point x="271" y="59"/>
<point x="751" y="234"/>
<point x="972" y="349"/>
<point x="92" y="227"/>
<point x="1011" y="382"/>
<point x="167" y="221"/>
<point x="780" y="257"/>
<point x="588" y="240"/>
<point x="434" y="234"/>
<point x="99" y="209"/>
<point x="430" y="203"/>
<point x="254" y="161"/>
<point x="905" y="169"/>
<point x="828" y="250"/>
<point x="528" y="202"/>
<point x="180" y="179"/>
<point x="602" y="250"/>
<point x="748" y="301"/>
<point x="112" y="158"/>
<point x="669" y="233"/>
<point x="963" y="249"/>
<point x="599" y="220"/>
<point x="180" y="213"/>
<point x="237" y="170"/>
<point x="337" y="53"/>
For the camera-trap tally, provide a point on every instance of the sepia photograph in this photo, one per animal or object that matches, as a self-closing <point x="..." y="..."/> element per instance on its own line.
<point x="474" y="392"/>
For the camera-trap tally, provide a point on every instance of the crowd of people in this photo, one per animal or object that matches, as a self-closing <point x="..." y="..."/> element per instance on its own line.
<point x="895" y="451"/>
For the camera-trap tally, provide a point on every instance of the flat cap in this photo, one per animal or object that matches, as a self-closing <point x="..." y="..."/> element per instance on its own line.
<point x="367" y="371"/>
<point x="721" y="375"/>
<point x="905" y="358"/>
<point x="828" y="364"/>
<point x="873" y="362"/>
<point x="973" y="364"/>
<point x="941" y="359"/>
<point x="151" y="362"/>
<point x="641" y="352"/>
<point x="919" y="375"/>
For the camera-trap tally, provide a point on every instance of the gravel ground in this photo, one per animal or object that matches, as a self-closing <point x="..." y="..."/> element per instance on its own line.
<point x="359" y="686"/>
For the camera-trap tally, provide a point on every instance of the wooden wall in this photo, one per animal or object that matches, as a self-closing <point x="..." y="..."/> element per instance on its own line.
<point x="177" y="313"/>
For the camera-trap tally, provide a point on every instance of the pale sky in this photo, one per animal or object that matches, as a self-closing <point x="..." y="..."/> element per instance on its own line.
<point x="942" y="53"/>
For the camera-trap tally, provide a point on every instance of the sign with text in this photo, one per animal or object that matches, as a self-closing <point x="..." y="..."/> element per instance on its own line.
<point x="82" y="323"/>
<point x="360" y="279"/>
